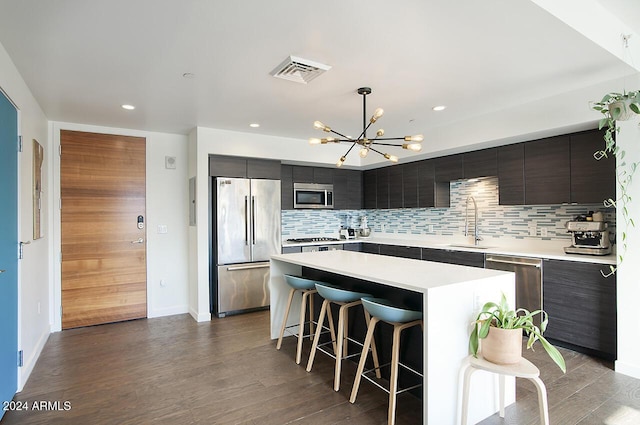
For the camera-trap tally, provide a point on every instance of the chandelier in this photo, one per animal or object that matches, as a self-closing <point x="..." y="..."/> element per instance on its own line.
<point x="411" y="143"/>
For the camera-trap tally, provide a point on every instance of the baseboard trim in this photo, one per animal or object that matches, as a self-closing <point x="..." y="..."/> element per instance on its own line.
<point x="632" y="370"/>
<point x="168" y="311"/>
<point x="200" y="317"/>
<point x="30" y="362"/>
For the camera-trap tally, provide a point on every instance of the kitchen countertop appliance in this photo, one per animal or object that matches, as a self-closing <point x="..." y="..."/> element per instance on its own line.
<point x="588" y="237"/>
<point x="347" y="233"/>
<point x="245" y="223"/>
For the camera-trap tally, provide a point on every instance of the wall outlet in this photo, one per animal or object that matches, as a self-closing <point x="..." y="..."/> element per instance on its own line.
<point x="533" y="231"/>
<point x="543" y="232"/>
<point x="162" y="229"/>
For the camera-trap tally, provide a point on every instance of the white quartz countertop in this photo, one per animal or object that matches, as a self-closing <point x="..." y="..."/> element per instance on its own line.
<point x="503" y="246"/>
<point x="413" y="275"/>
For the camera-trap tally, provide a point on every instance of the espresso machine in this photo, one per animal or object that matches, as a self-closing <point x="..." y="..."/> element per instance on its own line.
<point x="588" y="237"/>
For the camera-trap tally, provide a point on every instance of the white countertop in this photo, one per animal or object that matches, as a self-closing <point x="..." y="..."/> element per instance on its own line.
<point x="502" y="246"/>
<point x="414" y="275"/>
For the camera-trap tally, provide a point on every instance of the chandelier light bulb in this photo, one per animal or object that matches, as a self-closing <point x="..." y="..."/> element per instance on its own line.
<point x="376" y="115"/>
<point x="341" y="161"/>
<point x="380" y="132"/>
<point x="364" y="152"/>
<point x="417" y="138"/>
<point x="320" y="126"/>
<point x="314" y="141"/>
<point x="391" y="158"/>
<point x="415" y="147"/>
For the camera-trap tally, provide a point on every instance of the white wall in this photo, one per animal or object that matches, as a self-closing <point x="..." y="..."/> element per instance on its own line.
<point x="167" y="204"/>
<point x="628" y="285"/>
<point x="34" y="268"/>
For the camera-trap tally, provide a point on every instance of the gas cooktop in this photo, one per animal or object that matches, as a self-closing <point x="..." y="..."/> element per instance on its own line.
<point x="318" y="239"/>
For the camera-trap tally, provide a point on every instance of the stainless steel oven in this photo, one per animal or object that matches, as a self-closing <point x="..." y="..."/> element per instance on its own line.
<point x="311" y="195"/>
<point x="316" y="248"/>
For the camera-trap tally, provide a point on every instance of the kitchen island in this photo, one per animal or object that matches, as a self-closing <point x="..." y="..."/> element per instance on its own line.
<point x="451" y="296"/>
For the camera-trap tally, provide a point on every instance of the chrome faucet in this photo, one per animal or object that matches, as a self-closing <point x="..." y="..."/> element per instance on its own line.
<point x="476" y="235"/>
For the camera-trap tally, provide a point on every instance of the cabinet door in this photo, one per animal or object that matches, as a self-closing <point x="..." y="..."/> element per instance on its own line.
<point x="354" y="189"/>
<point x="370" y="188"/>
<point x="448" y="168"/>
<point x="482" y="163"/>
<point x="547" y="173"/>
<point x="227" y="166"/>
<point x="291" y="249"/>
<point x="286" y="187"/>
<point x="592" y="181"/>
<point x="426" y="184"/>
<point x="322" y="175"/>
<point x="395" y="186"/>
<point x="357" y="247"/>
<point x="370" y="248"/>
<point x="410" y="185"/>
<point x="463" y="258"/>
<point x="511" y="174"/>
<point x="382" y="188"/>
<point x="263" y="169"/>
<point x="401" y="251"/>
<point x="581" y="304"/>
<point x="302" y="174"/>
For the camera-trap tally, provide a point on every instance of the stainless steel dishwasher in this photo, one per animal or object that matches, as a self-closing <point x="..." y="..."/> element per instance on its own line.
<point x="528" y="279"/>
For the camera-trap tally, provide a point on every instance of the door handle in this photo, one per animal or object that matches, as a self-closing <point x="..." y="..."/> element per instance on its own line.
<point x="138" y="241"/>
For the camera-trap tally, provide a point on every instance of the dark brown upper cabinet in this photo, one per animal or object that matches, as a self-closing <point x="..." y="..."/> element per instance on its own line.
<point x="370" y="189"/>
<point x="382" y="188"/>
<point x="482" y="163"/>
<point x="347" y="189"/>
<point x="410" y="184"/>
<point x="239" y="167"/>
<point x="426" y="184"/>
<point x="547" y="173"/>
<point x="302" y="174"/>
<point x="592" y="181"/>
<point x="511" y="174"/>
<point x="396" y="194"/>
<point x="448" y="168"/>
<point x="286" y="187"/>
<point x="322" y="175"/>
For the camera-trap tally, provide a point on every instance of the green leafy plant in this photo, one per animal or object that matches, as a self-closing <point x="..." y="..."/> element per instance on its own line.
<point x="617" y="107"/>
<point x="501" y="316"/>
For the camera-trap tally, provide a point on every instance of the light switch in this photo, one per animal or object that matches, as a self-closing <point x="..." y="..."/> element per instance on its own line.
<point x="162" y="228"/>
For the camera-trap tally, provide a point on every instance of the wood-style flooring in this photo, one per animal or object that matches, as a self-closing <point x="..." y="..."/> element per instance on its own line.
<point x="173" y="370"/>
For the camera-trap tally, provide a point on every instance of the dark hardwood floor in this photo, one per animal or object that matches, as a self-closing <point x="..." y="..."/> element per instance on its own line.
<point x="173" y="370"/>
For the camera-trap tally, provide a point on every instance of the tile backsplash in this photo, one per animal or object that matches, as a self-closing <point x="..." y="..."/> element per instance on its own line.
<point x="519" y="222"/>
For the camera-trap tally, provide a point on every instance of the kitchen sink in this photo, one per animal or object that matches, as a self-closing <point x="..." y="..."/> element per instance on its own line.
<point x="462" y="245"/>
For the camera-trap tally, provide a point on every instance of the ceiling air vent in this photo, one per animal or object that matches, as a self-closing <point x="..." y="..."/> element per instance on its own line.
<point x="299" y="70"/>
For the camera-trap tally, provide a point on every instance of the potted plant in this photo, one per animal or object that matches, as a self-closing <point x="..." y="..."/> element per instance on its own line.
<point x="618" y="107"/>
<point x="501" y="328"/>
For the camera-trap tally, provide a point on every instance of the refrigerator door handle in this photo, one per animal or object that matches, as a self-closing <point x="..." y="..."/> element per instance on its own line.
<point x="248" y="267"/>
<point x="253" y="220"/>
<point x="246" y="220"/>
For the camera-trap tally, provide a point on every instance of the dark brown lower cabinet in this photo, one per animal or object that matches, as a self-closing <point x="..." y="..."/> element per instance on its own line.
<point x="401" y="251"/>
<point x="581" y="304"/>
<point x="353" y="247"/>
<point x="463" y="258"/>
<point x="370" y="248"/>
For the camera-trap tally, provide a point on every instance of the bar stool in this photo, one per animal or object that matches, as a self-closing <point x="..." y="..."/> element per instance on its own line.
<point x="522" y="369"/>
<point x="345" y="299"/>
<point x="400" y="318"/>
<point x="307" y="287"/>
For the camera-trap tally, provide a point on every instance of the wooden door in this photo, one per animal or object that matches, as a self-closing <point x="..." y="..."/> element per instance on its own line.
<point x="102" y="185"/>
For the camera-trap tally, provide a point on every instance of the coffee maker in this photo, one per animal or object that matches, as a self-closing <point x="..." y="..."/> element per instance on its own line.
<point x="588" y="237"/>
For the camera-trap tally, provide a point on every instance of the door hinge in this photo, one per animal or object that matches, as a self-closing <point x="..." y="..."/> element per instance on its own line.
<point x="19" y="143"/>
<point x="20" y="358"/>
<point x="59" y="150"/>
<point x="60" y="311"/>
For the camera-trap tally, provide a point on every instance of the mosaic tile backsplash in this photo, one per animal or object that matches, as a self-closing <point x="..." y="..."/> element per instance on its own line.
<point x="493" y="220"/>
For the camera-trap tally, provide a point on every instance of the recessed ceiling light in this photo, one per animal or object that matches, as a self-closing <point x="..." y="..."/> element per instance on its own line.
<point x="439" y="108"/>
<point x="128" y="107"/>
<point x="254" y="125"/>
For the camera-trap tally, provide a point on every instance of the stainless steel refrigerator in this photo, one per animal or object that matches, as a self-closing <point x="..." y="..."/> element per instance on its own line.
<point x="246" y="232"/>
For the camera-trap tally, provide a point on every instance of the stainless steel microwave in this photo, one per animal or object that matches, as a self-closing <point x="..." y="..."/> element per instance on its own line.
<point x="311" y="195"/>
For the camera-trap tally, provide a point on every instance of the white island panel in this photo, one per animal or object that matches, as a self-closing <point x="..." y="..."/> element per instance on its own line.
<point x="452" y="296"/>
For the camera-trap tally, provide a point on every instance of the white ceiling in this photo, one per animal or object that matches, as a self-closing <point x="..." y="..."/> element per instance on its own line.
<point x="82" y="59"/>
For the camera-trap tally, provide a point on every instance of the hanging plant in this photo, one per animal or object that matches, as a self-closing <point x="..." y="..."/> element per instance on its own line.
<point x="618" y="107"/>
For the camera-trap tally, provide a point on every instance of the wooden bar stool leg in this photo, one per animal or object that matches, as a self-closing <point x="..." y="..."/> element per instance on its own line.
<point x="393" y="379"/>
<point x="340" y="344"/>
<point x="286" y="316"/>
<point x="316" y="338"/>
<point x="311" y="311"/>
<point x="542" y="400"/>
<point x="363" y="358"/>
<point x="374" y="350"/>
<point x="345" y="348"/>
<point x="303" y="315"/>
<point x="331" y="328"/>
